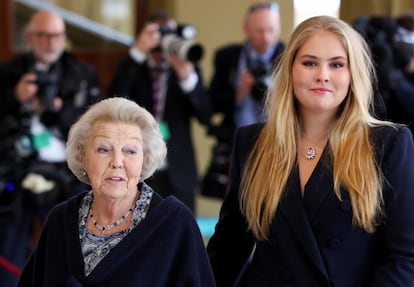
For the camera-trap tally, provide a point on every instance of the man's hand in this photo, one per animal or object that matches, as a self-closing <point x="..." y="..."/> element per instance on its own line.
<point x="26" y="88"/>
<point x="182" y="68"/>
<point x="247" y="80"/>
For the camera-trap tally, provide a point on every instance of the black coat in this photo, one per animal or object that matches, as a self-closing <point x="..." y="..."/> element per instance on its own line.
<point x="312" y="241"/>
<point x="165" y="249"/>
<point x="133" y="80"/>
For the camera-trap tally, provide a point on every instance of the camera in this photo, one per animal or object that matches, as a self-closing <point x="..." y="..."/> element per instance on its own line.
<point x="181" y="42"/>
<point x="15" y="140"/>
<point x="261" y="72"/>
<point x="47" y="89"/>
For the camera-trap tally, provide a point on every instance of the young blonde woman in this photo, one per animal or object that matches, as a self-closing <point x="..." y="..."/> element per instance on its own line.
<point x="323" y="192"/>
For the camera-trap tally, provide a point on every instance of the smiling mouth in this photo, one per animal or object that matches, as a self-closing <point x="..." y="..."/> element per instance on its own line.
<point x="321" y="90"/>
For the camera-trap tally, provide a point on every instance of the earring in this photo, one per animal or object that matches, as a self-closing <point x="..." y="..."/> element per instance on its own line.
<point x="83" y="171"/>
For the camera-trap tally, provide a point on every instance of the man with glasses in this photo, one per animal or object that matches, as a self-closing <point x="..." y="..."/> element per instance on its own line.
<point x="42" y="93"/>
<point x="241" y="76"/>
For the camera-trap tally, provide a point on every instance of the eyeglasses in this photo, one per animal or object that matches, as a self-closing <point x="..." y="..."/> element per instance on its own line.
<point x="49" y="36"/>
<point x="264" y="5"/>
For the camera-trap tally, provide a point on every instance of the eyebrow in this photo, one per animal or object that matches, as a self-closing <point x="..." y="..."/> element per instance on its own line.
<point x="330" y="59"/>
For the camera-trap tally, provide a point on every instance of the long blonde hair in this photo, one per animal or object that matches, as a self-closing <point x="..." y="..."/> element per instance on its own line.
<point x="274" y="155"/>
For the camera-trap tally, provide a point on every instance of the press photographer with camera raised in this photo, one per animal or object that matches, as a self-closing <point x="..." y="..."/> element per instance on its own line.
<point x="239" y="83"/>
<point x="161" y="73"/>
<point x="44" y="90"/>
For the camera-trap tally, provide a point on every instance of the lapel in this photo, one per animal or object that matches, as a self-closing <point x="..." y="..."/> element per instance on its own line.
<point x="299" y="219"/>
<point x="74" y="258"/>
<point x="318" y="187"/>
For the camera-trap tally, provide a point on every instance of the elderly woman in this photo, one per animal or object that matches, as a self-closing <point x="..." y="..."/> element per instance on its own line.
<point x="121" y="232"/>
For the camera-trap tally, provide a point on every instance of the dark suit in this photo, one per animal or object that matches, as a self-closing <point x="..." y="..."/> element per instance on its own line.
<point x="312" y="241"/>
<point x="222" y="88"/>
<point x="133" y="80"/>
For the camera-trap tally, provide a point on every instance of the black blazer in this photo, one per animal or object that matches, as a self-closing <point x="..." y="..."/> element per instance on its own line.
<point x="312" y="241"/>
<point x="133" y="80"/>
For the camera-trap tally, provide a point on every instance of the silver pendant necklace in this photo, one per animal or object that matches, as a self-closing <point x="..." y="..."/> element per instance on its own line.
<point x="310" y="153"/>
<point x="311" y="150"/>
<point x="105" y="228"/>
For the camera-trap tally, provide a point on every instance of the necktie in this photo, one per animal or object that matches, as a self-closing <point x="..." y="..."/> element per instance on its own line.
<point x="156" y="87"/>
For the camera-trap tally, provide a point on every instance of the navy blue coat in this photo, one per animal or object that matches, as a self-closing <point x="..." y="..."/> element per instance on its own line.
<point x="165" y="249"/>
<point x="312" y="241"/>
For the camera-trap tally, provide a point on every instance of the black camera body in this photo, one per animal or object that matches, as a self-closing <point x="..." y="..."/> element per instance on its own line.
<point x="47" y="89"/>
<point x="261" y="73"/>
<point x="181" y="42"/>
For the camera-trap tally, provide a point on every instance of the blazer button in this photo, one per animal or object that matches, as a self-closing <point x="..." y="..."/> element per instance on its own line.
<point x="334" y="243"/>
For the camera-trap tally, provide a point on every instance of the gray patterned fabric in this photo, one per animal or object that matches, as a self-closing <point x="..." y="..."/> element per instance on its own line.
<point x="96" y="247"/>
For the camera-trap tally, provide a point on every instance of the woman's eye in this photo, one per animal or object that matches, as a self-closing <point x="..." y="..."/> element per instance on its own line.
<point x="309" y="63"/>
<point x="337" y="65"/>
<point x="102" y="149"/>
<point x="131" y="151"/>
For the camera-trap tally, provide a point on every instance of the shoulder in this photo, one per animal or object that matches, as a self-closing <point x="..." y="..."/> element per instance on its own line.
<point x="392" y="140"/>
<point x="386" y="137"/>
<point x="70" y="60"/>
<point x="249" y="134"/>
<point x="244" y="140"/>
<point x="19" y="64"/>
<point x="229" y="49"/>
<point x="171" y="212"/>
<point x="16" y="60"/>
<point x="68" y="207"/>
<point x="171" y="205"/>
<point x="280" y="46"/>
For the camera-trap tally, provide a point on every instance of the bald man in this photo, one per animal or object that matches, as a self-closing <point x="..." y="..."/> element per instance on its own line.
<point x="42" y="93"/>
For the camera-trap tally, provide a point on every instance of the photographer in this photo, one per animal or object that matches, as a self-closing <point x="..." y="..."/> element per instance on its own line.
<point x="239" y="83"/>
<point x="169" y="85"/>
<point x="43" y="93"/>
<point x="392" y="44"/>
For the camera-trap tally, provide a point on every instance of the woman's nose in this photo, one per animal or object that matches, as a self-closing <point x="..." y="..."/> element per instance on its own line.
<point x="116" y="165"/>
<point x="117" y="162"/>
<point x="322" y="75"/>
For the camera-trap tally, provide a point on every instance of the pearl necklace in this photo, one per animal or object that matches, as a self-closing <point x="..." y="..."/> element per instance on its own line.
<point x="105" y="228"/>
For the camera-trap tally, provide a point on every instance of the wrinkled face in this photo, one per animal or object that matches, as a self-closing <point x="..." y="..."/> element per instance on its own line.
<point x="262" y="29"/>
<point x="46" y="38"/>
<point x="113" y="159"/>
<point x="321" y="74"/>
